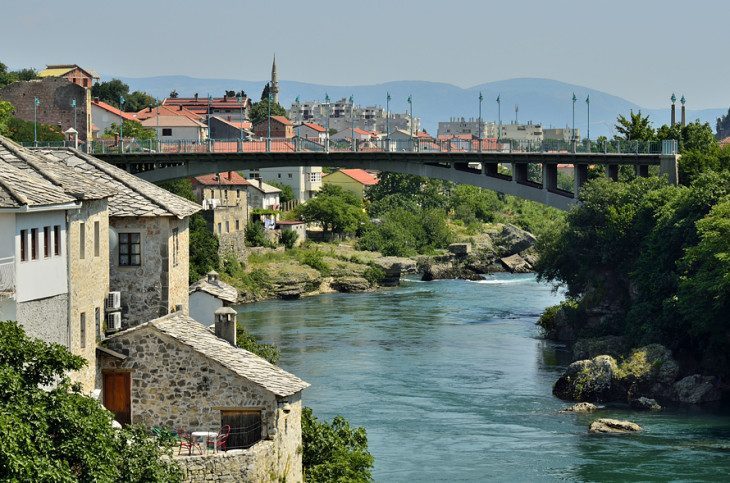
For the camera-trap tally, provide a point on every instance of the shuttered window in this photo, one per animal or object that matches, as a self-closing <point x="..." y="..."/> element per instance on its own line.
<point x="245" y="427"/>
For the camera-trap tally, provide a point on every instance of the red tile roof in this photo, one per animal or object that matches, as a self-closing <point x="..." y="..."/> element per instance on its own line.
<point x="167" y="111"/>
<point x="227" y="179"/>
<point x="724" y="141"/>
<point x="361" y="176"/>
<point x="362" y="132"/>
<point x="424" y="135"/>
<point x="103" y="105"/>
<point x="314" y="126"/>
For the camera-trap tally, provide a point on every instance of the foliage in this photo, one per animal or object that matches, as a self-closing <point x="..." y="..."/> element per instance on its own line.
<point x="22" y="131"/>
<point x="131" y="129"/>
<point x="634" y="128"/>
<point x="374" y="274"/>
<point x="692" y="137"/>
<point x="287" y="193"/>
<point x="313" y="258"/>
<point x="470" y="203"/>
<point x="695" y="162"/>
<point x="334" y="451"/>
<point x="260" y="110"/>
<point x="112" y="91"/>
<point x="247" y="341"/>
<point x="7" y="77"/>
<point x="255" y="235"/>
<point x="52" y="432"/>
<point x="425" y="192"/>
<point x="289" y="238"/>
<point x="337" y="210"/>
<point x="6" y="114"/>
<point x="404" y="233"/>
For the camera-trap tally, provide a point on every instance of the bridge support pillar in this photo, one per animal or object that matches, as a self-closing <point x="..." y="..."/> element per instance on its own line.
<point x="580" y="176"/>
<point x="491" y="169"/>
<point x="642" y="170"/>
<point x="669" y="167"/>
<point x="550" y="177"/>
<point x="612" y="171"/>
<point x="519" y="172"/>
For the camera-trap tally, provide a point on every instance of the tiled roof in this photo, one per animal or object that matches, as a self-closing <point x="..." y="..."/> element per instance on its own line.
<point x="171" y="121"/>
<point x="166" y="111"/>
<point x="59" y="70"/>
<point x="134" y="196"/>
<point x="228" y="178"/>
<point x="724" y="141"/>
<point x="216" y="288"/>
<point x="280" y="119"/>
<point x="193" y="334"/>
<point x="108" y="107"/>
<point x="28" y="178"/>
<point x="361" y="176"/>
<point x="237" y="124"/>
<point x="263" y="187"/>
<point x="314" y="126"/>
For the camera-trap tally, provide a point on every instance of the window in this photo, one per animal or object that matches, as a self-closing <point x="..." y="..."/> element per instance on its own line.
<point x="228" y="227"/>
<point x="23" y="245"/>
<point x="130" y="253"/>
<point x="167" y="131"/>
<point x="238" y="193"/>
<point x="46" y="241"/>
<point x="97" y="240"/>
<point x="82" y="240"/>
<point x="86" y="82"/>
<point x="212" y="194"/>
<point x="82" y="327"/>
<point x="220" y="228"/>
<point x="245" y="427"/>
<point x="57" y="239"/>
<point x="225" y="194"/>
<point x="34" y="243"/>
<point x="238" y="226"/>
<point x="97" y="322"/>
<point x="279" y="175"/>
<point x="175" y="246"/>
<point x="290" y="175"/>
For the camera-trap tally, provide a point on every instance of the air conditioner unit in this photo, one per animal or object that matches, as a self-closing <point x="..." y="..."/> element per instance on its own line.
<point x="113" y="301"/>
<point x="113" y="321"/>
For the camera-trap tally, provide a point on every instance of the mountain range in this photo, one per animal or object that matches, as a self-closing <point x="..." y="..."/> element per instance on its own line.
<point x="542" y="101"/>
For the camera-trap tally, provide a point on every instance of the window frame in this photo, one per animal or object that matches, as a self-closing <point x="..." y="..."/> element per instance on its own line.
<point x="129" y="252"/>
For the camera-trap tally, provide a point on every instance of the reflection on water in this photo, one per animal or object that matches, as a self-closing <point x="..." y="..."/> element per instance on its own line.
<point x="453" y="383"/>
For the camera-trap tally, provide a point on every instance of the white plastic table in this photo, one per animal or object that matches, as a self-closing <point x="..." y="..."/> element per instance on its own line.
<point x="205" y="436"/>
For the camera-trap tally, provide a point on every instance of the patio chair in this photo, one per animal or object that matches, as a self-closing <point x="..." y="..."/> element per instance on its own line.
<point x="221" y="440"/>
<point x="187" y="442"/>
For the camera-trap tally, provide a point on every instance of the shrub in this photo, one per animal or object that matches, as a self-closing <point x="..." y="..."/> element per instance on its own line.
<point x="255" y="235"/>
<point x="247" y="341"/>
<point x="289" y="238"/>
<point x="374" y="274"/>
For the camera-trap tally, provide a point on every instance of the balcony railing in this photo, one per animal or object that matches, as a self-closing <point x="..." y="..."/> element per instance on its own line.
<point x="7" y="275"/>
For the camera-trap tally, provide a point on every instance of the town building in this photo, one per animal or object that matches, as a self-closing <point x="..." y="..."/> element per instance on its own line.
<point x="72" y="73"/>
<point x="224" y="198"/>
<point x="298" y="227"/>
<point x="564" y="135"/>
<point x="262" y="196"/>
<point x="353" y="180"/>
<point x="347" y="134"/>
<point x="208" y="295"/>
<point x="280" y="126"/>
<point x="305" y="181"/>
<point x="222" y="129"/>
<point x="311" y="131"/>
<point x="104" y="115"/>
<point x="523" y="135"/>
<point x="149" y="112"/>
<point x="462" y="126"/>
<point x="339" y="115"/>
<point x="177" y="128"/>
<point x="226" y="107"/>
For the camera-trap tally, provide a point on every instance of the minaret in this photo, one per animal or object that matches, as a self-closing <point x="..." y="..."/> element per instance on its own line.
<point x="274" y="82"/>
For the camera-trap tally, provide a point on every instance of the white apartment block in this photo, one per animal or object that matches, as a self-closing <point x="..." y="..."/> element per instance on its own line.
<point x="561" y="134"/>
<point x="522" y="134"/>
<point x="457" y="126"/>
<point x="305" y="181"/>
<point x="341" y="114"/>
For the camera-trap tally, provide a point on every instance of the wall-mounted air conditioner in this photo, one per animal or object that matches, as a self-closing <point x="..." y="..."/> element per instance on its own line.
<point x="113" y="301"/>
<point x="113" y="321"/>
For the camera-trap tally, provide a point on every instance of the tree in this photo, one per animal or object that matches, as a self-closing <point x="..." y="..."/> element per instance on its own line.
<point x="255" y="235"/>
<point x="289" y="238"/>
<point x="266" y="92"/>
<point x="635" y="128"/>
<point x="22" y="131"/>
<point x="6" y="77"/>
<point x="695" y="136"/>
<point x="111" y="92"/>
<point x="52" y="432"/>
<point x="173" y="94"/>
<point x="337" y="210"/>
<point x="334" y="451"/>
<point x="260" y="111"/>
<point x="287" y="193"/>
<point x="246" y="341"/>
<point x="131" y="129"/>
<point x="6" y="114"/>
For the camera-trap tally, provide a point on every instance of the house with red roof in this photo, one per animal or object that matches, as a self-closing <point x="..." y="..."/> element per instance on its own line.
<point x="281" y="127"/>
<point x="177" y="128"/>
<point x="225" y="204"/>
<point x="311" y="131"/>
<point x="229" y="108"/>
<point x="347" y="134"/>
<point x="352" y="180"/>
<point x="103" y="115"/>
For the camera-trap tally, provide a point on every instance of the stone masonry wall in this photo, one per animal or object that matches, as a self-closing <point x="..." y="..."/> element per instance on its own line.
<point x="46" y="319"/>
<point x="179" y="266"/>
<point x="174" y="386"/>
<point x="89" y="284"/>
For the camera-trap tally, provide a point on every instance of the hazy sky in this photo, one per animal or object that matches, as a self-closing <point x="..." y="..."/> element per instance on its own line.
<point x="642" y="50"/>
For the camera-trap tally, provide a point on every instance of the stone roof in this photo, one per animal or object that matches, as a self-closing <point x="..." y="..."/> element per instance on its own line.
<point x="245" y="364"/>
<point x="217" y="288"/>
<point x="134" y="196"/>
<point x="28" y="178"/>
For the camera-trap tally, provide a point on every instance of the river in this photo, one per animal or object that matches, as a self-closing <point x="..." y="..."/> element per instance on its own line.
<point x="453" y="383"/>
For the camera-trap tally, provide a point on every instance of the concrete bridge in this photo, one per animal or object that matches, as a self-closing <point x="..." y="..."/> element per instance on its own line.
<point x="504" y="171"/>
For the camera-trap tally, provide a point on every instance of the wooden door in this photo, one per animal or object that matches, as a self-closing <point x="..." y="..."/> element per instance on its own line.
<point x="117" y="397"/>
<point x="245" y="427"/>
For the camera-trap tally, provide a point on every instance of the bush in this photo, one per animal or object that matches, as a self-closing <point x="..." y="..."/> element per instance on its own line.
<point x="289" y="238"/>
<point x="255" y="235"/>
<point x="315" y="259"/>
<point x="374" y="274"/>
<point x="246" y="341"/>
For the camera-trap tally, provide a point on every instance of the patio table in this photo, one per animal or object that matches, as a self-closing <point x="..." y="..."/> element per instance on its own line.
<point x="204" y="437"/>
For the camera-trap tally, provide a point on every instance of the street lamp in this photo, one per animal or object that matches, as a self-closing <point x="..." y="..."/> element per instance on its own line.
<point x="36" y="103"/>
<point x="352" y="121"/>
<point x="481" y="98"/>
<point x="387" y="116"/>
<point x="299" y="126"/>
<point x="588" y="105"/>
<point x="410" y="103"/>
<point x="268" y="126"/>
<point x="572" y="132"/>
<point x="73" y="105"/>
<point x="499" y="117"/>
<point x="121" y="125"/>
<point x="327" y="103"/>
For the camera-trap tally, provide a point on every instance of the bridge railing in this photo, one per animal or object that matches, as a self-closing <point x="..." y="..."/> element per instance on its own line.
<point x="421" y="145"/>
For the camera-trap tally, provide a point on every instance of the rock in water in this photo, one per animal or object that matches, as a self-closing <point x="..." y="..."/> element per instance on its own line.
<point x="581" y="407"/>
<point x="350" y="284"/>
<point x="697" y="389"/>
<point x="516" y="264"/>
<point x="645" y="404"/>
<point x="513" y="240"/>
<point x="587" y="380"/>
<point x="613" y="426"/>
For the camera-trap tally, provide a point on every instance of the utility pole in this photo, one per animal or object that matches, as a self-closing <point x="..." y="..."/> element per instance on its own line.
<point x="352" y="121"/>
<point x="481" y="98"/>
<point x="588" y="105"/>
<point x="121" y="125"/>
<point x="36" y="103"/>
<point x="499" y="117"/>
<point x="387" y="118"/>
<point x="210" y="142"/>
<point x="327" y="103"/>
<point x="572" y="131"/>
<point x="73" y="105"/>
<point x="239" y="99"/>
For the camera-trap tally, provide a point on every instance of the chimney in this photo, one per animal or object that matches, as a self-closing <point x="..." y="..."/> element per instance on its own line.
<point x="96" y="99"/>
<point x="230" y="176"/>
<point x="179" y="108"/>
<point x="196" y="96"/>
<point x="225" y="98"/>
<point x="149" y="109"/>
<point x="225" y="324"/>
<point x="212" y="277"/>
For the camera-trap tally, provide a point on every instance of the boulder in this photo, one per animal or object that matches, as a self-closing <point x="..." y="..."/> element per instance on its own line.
<point x="587" y="380"/>
<point x="515" y="264"/>
<point x="581" y="407"/>
<point x="645" y="404"/>
<point x="588" y="348"/>
<point x="697" y="389"/>
<point x="446" y="267"/>
<point x="350" y="284"/>
<point x="512" y="240"/>
<point x="292" y="285"/>
<point x="648" y="370"/>
<point x="613" y="426"/>
<point x="394" y="268"/>
<point x="460" y="249"/>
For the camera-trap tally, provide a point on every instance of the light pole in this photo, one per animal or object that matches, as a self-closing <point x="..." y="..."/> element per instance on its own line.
<point x="387" y="117"/>
<point x="239" y="99"/>
<point x="121" y="125"/>
<point x="588" y="106"/>
<point x="299" y="126"/>
<point x="210" y="107"/>
<point x="410" y="103"/>
<point x="481" y="98"/>
<point x="499" y="117"/>
<point x="327" y="103"/>
<point x="352" y="121"/>
<point x="268" y="125"/>
<point x="36" y="103"/>
<point x="73" y="105"/>
<point x="572" y="131"/>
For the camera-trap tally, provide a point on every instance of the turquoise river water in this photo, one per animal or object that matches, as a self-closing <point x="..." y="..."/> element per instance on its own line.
<point x="453" y="383"/>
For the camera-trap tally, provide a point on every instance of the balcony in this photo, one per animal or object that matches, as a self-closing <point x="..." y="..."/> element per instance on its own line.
<point x="7" y="275"/>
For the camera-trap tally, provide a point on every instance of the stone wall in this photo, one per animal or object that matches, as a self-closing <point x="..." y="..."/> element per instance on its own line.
<point x="176" y="387"/>
<point x="55" y="95"/>
<point x="156" y="286"/>
<point x="45" y="319"/>
<point x="255" y="464"/>
<point x="89" y="284"/>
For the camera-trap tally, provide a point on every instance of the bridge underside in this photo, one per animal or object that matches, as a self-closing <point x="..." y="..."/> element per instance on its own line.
<point x="477" y="169"/>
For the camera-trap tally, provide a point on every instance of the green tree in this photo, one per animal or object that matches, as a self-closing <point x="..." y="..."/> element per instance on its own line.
<point x="287" y="193"/>
<point x="6" y="114"/>
<point x="255" y="235"/>
<point x="131" y="129"/>
<point x="246" y="341"/>
<point x="334" y="451"/>
<point x="22" y="131"/>
<point x="634" y="128"/>
<point x="470" y="201"/>
<point x="289" y="238"/>
<point x="260" y="111"/>
<point x="111" y="92"/>
<point x="6" y="77"/>
<point x="337" y="210"/>
<point x="52" y="432"/>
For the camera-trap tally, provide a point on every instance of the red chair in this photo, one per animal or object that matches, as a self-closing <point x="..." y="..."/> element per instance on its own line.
<point x="187" y="442"/>
<point x="221" y="440"/>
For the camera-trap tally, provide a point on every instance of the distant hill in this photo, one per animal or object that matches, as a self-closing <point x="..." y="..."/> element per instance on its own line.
<point x="539" y="100"/>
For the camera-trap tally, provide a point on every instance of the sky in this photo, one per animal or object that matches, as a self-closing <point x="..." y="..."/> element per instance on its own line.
<point x="641" y="50"/>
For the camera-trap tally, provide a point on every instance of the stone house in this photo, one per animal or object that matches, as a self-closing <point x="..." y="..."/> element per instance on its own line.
<point x="148" y="251"/>
<point x="281" y="127"/>
<point x="174" y="372"/>
<point x="298" y="227"/>
<point x="208" y="295"/>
